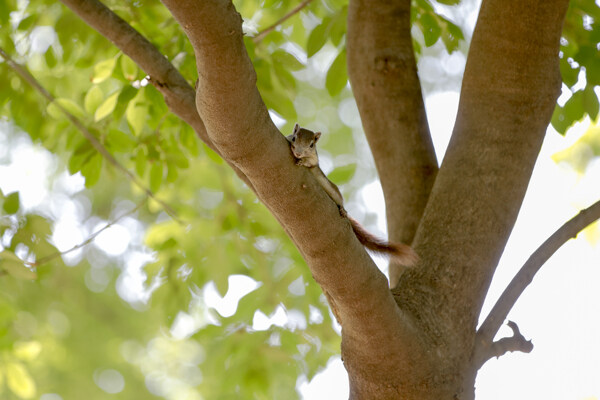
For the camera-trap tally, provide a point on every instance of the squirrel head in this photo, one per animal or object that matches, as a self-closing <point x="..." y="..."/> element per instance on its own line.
<point x="304" y="141"/>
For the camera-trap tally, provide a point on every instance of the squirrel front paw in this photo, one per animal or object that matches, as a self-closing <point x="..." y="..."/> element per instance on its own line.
<point x="343" y="211"/>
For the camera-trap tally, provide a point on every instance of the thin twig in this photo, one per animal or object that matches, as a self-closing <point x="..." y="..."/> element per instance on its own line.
<point x="523" y="278"/>
<point x="261" y="35"/>
<point x="51" y="257"/>
<point x="26" y="75"/>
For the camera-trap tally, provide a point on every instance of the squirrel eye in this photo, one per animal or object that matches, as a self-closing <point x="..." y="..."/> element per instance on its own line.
<point x="293" y="138"/>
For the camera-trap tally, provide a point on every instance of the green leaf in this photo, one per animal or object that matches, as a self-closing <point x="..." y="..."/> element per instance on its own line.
<point x="128" y="67"/>
<point x="569" y="74"/>
<point x="559" y="120"/>
<point x="590" y="102"/>
<point x="287" y="60"/>
<point x="342" y="174"/>
<point x="338" y="26"/>
<point x="448" y="2"/>
<point x="127" y="94"/>
<point x="452" y="36"/>
<point x="5" y="10"/>
<point x="11" y="203"/>
<point x="107" y="107"/>
<point x="91" y="170"/>
<point x="27" y="23"/>
<point x="50" y="57"/>
<point x="136" y="116"/>
<point x="156" y="176"/>
<point x="318" y="37"/>
<point x="280" y="103"/>
<point x="431" y="29"/>
<point x="81" y="155"/>
<point x="55" y="109"/>
<point x="284" y="77"/>
<point x="120" y="141"/>
<point x="574" y="107"/>
<point x="103" y="70"/>
<point x="172" y="173"/>
<point x="93" y="98"/>
<point x="337" y="76"/>
<point x="140" y="161"/>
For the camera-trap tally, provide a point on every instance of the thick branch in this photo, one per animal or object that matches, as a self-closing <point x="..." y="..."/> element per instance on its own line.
<point x="178" y="94"/>
<point x="509" y="91"/>
<point x="383" y="74"/>
<point x="524" y="277"/>
<point x="238" y="123"/>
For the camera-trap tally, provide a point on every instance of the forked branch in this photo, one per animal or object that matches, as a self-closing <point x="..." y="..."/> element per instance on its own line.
<point x="516" y="342"/>
<point x="523" y="278"/>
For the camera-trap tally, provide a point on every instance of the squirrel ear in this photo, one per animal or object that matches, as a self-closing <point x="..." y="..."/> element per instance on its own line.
<point x="296" y="127"/>
<point x="317" y="136"/>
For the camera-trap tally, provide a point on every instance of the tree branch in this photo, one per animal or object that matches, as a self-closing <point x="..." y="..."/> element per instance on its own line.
<point x="383" y="74"/>
<point x="261" y="35"/>
<point x="179" y="95"/>
<point x="239" y="124"/>
<point x="26" y="75"/>
<point x="516" y="342"/>
<point x="524" y="277"/>
<point x="90" y="239"/>
<point x="508" y="94"/>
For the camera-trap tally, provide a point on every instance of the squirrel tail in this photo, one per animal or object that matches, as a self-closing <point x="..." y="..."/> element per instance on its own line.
<point x="397" y="252"/>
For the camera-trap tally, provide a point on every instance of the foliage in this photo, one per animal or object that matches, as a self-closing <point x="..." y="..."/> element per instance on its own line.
<point x="63" y="332"/>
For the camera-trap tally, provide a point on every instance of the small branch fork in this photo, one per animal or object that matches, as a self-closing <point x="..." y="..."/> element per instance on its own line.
<point x="485" y="347"/>
<point x="516" y="342"/>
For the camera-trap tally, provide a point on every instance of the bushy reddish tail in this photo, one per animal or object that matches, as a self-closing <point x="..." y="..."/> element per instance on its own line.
<point x="397" y="252"/>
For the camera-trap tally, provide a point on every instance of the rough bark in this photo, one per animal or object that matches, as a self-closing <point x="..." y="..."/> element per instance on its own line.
<point x="383" y="74"/>
<point x="509" y="90"/>
<point x="238" y="123"/>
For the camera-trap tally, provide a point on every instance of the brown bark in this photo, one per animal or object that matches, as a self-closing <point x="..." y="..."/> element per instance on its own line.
<point x="509" y="91"/>
<point x="421" y="349"/>
<point x="383" y="74"/>
<point x="238" y="123"/>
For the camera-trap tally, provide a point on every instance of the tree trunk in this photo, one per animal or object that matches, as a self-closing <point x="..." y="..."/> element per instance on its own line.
<point x="417" y="340"/>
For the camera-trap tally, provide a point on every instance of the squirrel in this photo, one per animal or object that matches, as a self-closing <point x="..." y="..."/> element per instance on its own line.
<point x="303" y="145"/>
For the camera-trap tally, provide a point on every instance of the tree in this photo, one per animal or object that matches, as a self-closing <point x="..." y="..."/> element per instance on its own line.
<point x="140" y="112"/>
